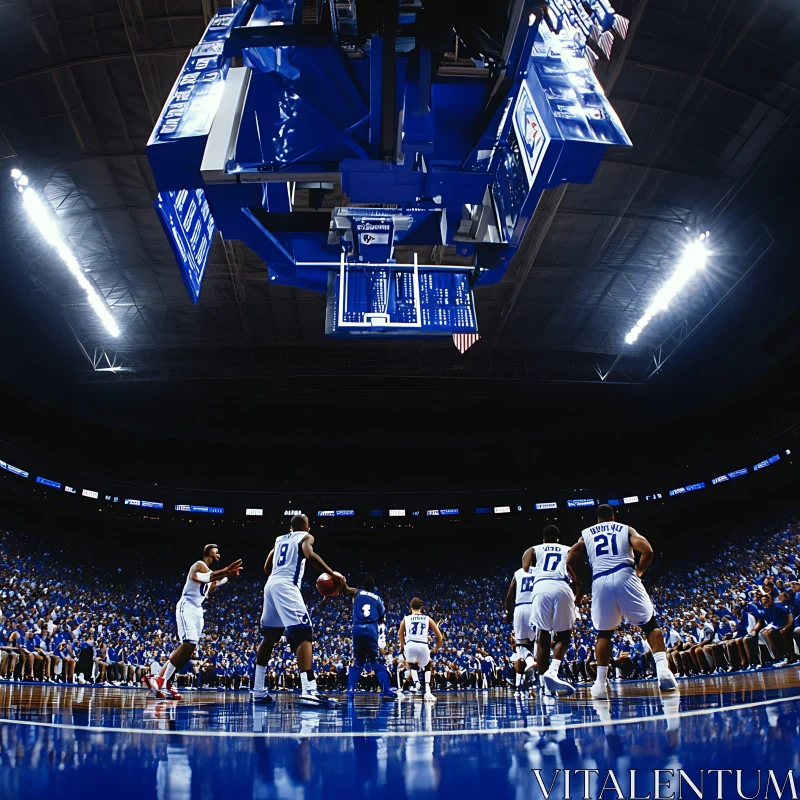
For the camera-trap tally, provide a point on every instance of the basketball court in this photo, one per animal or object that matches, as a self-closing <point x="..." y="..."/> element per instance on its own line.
<point x="212" y="743"/>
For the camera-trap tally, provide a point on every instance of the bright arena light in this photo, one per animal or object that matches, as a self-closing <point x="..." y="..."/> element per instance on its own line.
<point x="41" y="217"/>
<point x="693" y="260"/>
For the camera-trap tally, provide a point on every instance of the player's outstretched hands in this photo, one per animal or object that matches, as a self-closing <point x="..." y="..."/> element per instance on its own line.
<point x="235" y="568"/>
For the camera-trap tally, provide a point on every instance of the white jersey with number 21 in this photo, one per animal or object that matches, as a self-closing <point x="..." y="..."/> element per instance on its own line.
<point x="608" y="545"/>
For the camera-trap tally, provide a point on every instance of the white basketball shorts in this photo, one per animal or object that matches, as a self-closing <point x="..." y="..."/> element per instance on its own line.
<point x="190" y="622"/>
<point x="523" y="632"/>
<point x="417" y="653"/>
<point x="620" y="594"/>
<point x="553" y="606"/>
<point x="284" y="606"/>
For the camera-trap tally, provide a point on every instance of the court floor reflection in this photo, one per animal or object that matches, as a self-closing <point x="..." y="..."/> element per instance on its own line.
<point x="69" y="742"/>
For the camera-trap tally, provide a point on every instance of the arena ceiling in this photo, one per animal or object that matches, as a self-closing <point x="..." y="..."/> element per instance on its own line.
<point x="707" y="90"/>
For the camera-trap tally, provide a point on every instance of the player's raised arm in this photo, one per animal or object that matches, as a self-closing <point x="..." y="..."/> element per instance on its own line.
<point x="202" y="574"/>
<point x="576" y="564"/>
<point x="268" y="562"/>
<point x="511" y="598"/>
<point x="642" y="546"/>
<point x="401" y="635"/>
<point x="437" y="632"/>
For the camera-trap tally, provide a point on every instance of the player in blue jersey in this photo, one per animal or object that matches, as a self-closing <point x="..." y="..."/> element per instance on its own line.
<point x="285" y="610"/>
<point x="369" y="618"/>
<point x="617" y="591"/>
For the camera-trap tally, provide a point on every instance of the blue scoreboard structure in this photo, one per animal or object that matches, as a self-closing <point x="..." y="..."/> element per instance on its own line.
<point x="273" y="106"/>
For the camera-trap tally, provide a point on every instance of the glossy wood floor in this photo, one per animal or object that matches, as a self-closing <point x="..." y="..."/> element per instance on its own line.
<point x="63" y="741"/>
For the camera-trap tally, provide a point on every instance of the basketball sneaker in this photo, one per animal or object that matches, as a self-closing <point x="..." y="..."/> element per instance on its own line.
<point x="429" y="696"/>
<point x="556" y="684"/>
<point x="667" y="681"/>
<point x="391" y="695"/>
<point x="150" y="683"/>
<point x="262" y="698"/>
<point x="599" y="691"/>
<point x="309" y="696"/>
<point x="172" y="691"/>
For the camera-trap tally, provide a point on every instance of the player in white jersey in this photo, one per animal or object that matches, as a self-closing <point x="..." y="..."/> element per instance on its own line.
<point x="200" y="583"/>
<point x="285" y="610"/>
<point x="552" y="606"/>
<point x="413" y="634"/>
<point x="518" y="611"/>
<point x="617" y="591"/>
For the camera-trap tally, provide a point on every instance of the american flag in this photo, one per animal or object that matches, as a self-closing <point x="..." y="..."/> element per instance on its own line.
<point x="463" y="341"/>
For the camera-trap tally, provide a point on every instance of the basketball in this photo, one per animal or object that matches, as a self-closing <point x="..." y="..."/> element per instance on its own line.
<point x="327" y="585"/>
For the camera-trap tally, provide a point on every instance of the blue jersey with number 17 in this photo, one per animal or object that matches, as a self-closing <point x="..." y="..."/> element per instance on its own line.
<point x="608" y="545"/>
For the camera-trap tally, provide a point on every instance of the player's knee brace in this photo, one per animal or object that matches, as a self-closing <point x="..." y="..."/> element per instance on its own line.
<point x="298" y="634"/>
<point x="649" y="626"/>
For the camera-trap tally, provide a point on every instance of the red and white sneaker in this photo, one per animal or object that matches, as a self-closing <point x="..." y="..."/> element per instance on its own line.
<point x="172" y="691"/>
<point x="154" y="683"/>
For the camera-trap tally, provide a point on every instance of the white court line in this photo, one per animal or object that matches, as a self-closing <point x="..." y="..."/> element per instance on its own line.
<point x="401" y="734"/>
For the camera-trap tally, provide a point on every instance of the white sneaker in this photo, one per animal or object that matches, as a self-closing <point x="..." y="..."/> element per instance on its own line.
<point x="599" y="691"/>
<point x="429" y="697"/>
<point x="667" y="681"/>
<point x="311" y="697"/>
<point x="556" y="684"/>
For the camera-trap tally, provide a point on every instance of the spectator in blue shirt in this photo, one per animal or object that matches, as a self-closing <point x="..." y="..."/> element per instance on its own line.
<point x="776" y="623"/>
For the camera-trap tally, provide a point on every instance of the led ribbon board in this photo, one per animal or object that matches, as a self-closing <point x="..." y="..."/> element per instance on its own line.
<point x="692" y="487"/>
<point x="729" y="476"/>
<point x="580" y="503"/>
<point x="767" y="462"/>
<point x="15" y="470"/>
<point x="201" y="509"/>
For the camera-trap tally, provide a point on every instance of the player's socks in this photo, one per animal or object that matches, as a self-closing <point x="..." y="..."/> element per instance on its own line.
<point x="169" y="672"/>
<point x="428" y="692"/>
<point x="599" y="690"/>
<point x="260" y="679"/>
<point x="518" y="676"/>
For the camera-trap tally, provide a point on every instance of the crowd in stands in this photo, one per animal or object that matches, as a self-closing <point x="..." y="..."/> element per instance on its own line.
<point x="738" y="608"/>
